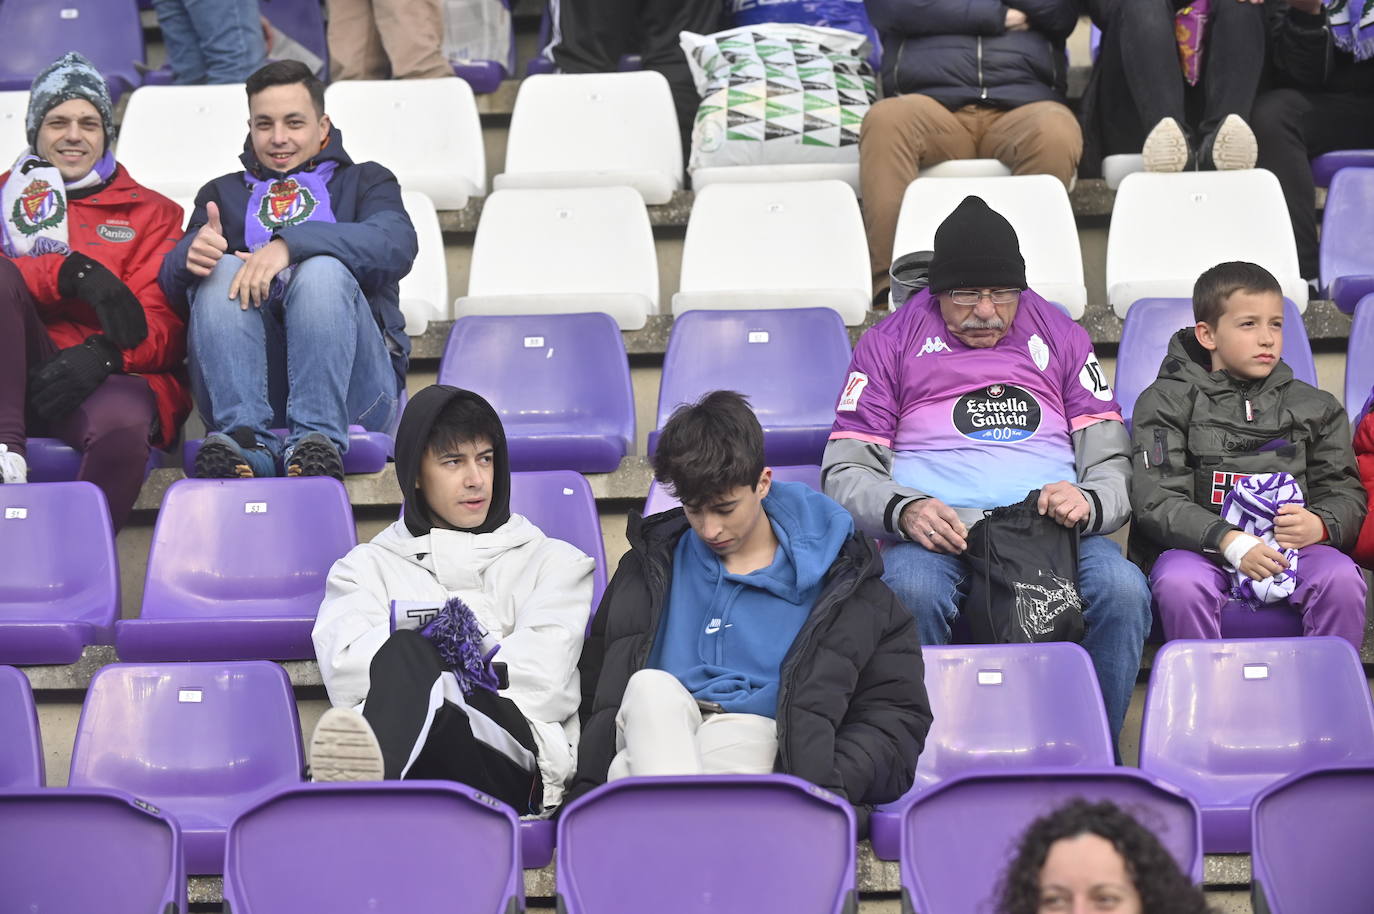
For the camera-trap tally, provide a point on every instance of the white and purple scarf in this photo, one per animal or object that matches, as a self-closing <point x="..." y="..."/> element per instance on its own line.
<point x="1352" y="26"/>
<point x="1252" y="505"/>
<point x="34" y="200"/>
<point x="276" y="203"/>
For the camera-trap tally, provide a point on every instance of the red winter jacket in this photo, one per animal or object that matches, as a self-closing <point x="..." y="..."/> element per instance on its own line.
<point x="1364" y="456"/>
<point x="128" y="229"/>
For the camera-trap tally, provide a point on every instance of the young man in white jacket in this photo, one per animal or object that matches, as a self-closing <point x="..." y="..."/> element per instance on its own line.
<point x="449" y="644"/>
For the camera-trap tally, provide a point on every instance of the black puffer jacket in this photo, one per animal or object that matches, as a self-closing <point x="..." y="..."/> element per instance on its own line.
<point x="1303" y="55"/>
<point x="959" y="52"/>
<point x="852" y="708"/>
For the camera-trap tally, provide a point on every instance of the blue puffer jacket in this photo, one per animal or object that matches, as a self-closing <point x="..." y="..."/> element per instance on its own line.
<point x="959" y="52"/>
<point x="373" y="236"/>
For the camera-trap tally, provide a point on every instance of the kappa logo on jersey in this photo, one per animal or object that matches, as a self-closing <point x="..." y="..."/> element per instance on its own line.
<point x="933" y="344"/>
<point x="39" y="207"/>
<point x="1224" y="482"/>
<point x="285" y="203"/>
<point x="1094" y="379"/>
<point x="853" y="388"/>
<point x="1039" y="352"/>
<point x="1000" y="412"/>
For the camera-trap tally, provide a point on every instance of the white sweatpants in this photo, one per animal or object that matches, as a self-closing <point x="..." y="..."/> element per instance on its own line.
<point x="660" y="730"/>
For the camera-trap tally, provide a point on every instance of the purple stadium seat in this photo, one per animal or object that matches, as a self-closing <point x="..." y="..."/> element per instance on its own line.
<point x="958" y="837"/>
<point x="1224" y="719"/>
<point x="1359" y="370"/>
<point x="1152" y="322"/>
<point x="1325" y="166"/>
<point x="560" y="503"/>
<point x="395" y="846"/>
<point x="1346" y="263"/>
<point x="367" y="451"/>
<point x="21" y="743"/>
<point x="236" y="569"/>
<point x="202" y="741"/>
<point x="561" y="383"/>
<point x="999" y="707"/>
<point x="486" y="75"/>
<point x="107" y="32"/>
<point x="661" y="500"/>
<point x="60" y="588"/>
<point x="54" y="460"/>
<point x="73" y="850"/>
<point x="791" y="364"/>
<point x="536" y="843"/>
<point x="758" y="843"/>
<point x="1313" y="832"/>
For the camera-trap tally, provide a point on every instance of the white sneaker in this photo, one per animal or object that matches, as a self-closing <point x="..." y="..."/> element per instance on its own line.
<point x="1235" y="147"/>
<point x="1166" y="148"/>
<point x="344" y="748"/>
<point x="13" y="467"/>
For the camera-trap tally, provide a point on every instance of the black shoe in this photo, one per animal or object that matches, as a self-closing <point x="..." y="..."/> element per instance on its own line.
<point x="236" y="455"/>
<point x="315" y="455"/>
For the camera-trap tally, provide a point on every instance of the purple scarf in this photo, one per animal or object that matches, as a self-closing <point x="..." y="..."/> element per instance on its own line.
<point x="275" y="203"/>
<point x="457" y="635"/>
<point x="1352" y="26"/>
<point x="1190" y="27"/>
<point x="1252" y="506"/>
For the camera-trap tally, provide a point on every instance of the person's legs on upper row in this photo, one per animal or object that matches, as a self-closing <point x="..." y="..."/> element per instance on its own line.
<point x="24" y="342"/>
<point x="412" y="32"/>
<point x="184" y="53"/>
<point x="1116" y="611"/>
<point x="355" y="45"/>
<point x="1231" y="64"/>
<point x="229" y="35"/>
<point x="1041" y="138"/>
<point x="1188" y="591"/>
<point x="1140" y="54"/>
<point x="931" y="585"/>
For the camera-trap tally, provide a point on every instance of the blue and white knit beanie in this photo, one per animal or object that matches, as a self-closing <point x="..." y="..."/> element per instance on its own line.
<point x="70" y="76"/>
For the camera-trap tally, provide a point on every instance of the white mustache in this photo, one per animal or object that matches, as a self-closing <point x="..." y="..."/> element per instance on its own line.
<point x="976" y="323"/>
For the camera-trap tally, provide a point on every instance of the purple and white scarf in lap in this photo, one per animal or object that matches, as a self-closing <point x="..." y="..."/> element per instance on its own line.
<point x="276" y="203"/>
<point x="1252" y="505"/>
<point x="1352" y="26"/>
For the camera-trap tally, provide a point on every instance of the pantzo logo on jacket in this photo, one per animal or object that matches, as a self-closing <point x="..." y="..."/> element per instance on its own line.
<point x="118" y="234"/>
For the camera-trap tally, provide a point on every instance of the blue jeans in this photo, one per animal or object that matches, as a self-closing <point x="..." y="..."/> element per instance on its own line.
<point x="1116" y="608"/>
<point x="312" y="359"/>
<point x="211" y="41"/>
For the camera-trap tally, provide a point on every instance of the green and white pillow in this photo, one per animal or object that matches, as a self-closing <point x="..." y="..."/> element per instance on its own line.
<point x="778" y="93"/>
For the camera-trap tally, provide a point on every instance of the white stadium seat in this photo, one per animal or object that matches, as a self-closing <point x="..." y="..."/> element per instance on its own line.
<point x="14" y="107"/>
<point x="778" y="245"/>
<point x="425" y="130"/>
<point x="594" y="130"/>
<point x="564" y="251"/>
<point x="848" y="172"/>
<point x="1168" y="228"/>
<point x="424" y="290"/>
<point x="967" y="168"/>
<point x="1038" y="208"/>
<point x="1116" y="168"/>
<point x="160" y="121"/>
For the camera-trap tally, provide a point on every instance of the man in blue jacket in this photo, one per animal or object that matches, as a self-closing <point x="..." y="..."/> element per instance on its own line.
<point x="290" y="269"/>
<point x="965" y="79"/>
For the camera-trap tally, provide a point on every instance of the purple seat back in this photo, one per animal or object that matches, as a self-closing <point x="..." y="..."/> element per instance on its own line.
<point x="367" y="451"/>
<point x="1313" y="832"/>
<point x="88" y="850"/>
<point x="60" y="588"/>
<point x="958" y="837"/>
<point x="759" y="843"/>
<point x="236" y="569"/>
<point x="1325" y="166"/>
<point x="1346" y="263"/>
<point x="407" y="846"/>
<point x="1151" y="324"/>
<point x="108" y="32"/>
<point x="21" y="743"/>
<point x="536" y="843"/>
<point x="54" y="460"/>
<point x="661" y="500"/>
<point x="791" y="364"/>
<point x="560" y="503"/>
<point x="1224" y="719"/>
<point x="561" y="383"/>
<point x="1359" y="370"/>
<point x="203" y="741"/>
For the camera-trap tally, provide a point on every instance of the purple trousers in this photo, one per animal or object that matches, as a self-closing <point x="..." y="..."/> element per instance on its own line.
<point x="1190" y="590"/>
<point x="110" y="428"/>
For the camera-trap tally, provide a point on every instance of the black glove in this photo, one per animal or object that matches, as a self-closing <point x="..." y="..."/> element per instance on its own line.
<point x="120" y="314"/>
<point x="64" y="381"/>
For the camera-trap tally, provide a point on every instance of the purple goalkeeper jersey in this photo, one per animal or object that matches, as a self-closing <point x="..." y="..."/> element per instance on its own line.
<point x="975" y="428"/>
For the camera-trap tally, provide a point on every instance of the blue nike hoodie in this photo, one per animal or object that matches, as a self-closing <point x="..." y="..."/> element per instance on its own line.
<point x="724" y="636"/>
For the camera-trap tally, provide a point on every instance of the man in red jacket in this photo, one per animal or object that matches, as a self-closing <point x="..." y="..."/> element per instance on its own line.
<point x="90" y="350"/>
<point x="1364" y="457"/>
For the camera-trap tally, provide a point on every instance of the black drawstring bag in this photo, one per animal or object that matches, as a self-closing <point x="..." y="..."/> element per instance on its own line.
<point x="1024" y="585"/>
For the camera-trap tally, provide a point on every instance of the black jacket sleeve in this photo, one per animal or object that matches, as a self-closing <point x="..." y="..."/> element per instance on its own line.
<point x="1300" y="45"/>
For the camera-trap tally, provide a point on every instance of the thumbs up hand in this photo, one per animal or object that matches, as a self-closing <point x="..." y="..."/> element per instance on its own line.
<point x="209" y="245"/>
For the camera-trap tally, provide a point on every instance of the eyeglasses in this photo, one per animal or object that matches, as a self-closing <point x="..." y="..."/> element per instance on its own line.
<point x="974" y="296"/>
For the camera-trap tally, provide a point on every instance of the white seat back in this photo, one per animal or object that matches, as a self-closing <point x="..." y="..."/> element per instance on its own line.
<point x="424" y="290"/>
<point x="14" y="107"/>
<point x="160" y="121"/>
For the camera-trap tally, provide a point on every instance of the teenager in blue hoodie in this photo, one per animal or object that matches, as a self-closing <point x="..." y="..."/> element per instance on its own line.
<point x="749" y="631"/>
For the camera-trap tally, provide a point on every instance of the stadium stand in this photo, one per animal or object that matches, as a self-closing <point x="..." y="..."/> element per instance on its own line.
<point x="780" y="245"/>
<point x="1346" y="264"/>
<point x="1325" y="166"/>
<point x="106" y="32"/>
<point x="201" y="741"/>
<point x="790" y="364"/>
<point x="393" y="846"/>
<point x="790" y="847"/>
<point x="1223" y="720"/>
<point x="21" y="743"/>
<point x="660" y="500"/>
<point x="560" y="503"/>
<point x="159" y="118"/>
<point x="60" y="587"/>
<point x="560" y="382"/>
<point x="14" y="105"/>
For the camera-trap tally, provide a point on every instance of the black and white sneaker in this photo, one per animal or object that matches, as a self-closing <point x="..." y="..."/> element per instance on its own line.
<point x="315" y="455"/>
<point x="236" y="455"/>
<point x="344" y="748"/>
<point x="1234" y="148"/>
<point x="1166" y="148"/>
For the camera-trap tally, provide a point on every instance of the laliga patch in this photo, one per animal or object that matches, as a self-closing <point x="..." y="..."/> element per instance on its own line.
<point x="853" y="388"/>
<point x="1003" y="413"/>
<point x="1039" y="352"/>
<point x="118" y="234"/>
<point x="1094" y="379"/>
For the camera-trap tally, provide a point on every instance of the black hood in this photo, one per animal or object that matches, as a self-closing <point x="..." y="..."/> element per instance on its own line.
<point x="332" y="150"/>
<point x="412" y="439"/>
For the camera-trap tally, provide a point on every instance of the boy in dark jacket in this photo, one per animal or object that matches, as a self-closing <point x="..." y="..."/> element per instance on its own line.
<point x="1226" y="407"/>
<point x="750" y="631"/>
<point x="291" y="269"/>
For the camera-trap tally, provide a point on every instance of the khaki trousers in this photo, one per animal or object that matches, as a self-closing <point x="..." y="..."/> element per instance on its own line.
<point x="904" y="134"/>
<point x="380" y="39"/>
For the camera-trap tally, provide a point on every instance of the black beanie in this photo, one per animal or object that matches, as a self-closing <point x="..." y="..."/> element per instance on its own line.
<point x="976" y="248"/>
